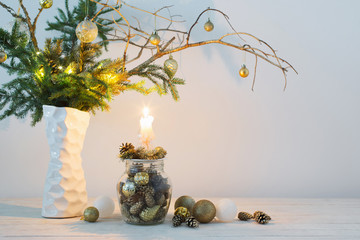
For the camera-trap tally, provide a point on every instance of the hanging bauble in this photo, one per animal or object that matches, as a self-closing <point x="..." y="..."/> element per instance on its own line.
<point x="171" y="65"/>
<point x="244" y="72"/>
<point x="204" y="211"/>
<point x="3" y="55"/>
<point x="22" y="35"/>
<point x="185" y="201"/>
<point x="154" y="39"/>
<point x="86" y="31"/>
<point x="105" y="205"/>
<point x="46" y="3"/>
<point x="208" y="26"/>
<point x="91" y="214"/>
<point x="226" y="210"/>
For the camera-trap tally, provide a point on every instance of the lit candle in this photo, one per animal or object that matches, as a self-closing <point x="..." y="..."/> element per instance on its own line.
<point x="146" y="133"/>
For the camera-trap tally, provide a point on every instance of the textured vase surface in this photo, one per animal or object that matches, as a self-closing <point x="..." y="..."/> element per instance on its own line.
<point x="65" y="187"/>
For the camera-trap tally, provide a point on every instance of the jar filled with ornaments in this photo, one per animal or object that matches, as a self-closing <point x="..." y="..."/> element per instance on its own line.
<point x="144" y="190"/>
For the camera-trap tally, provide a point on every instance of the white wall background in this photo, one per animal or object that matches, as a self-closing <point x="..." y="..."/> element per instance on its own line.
<point x="222" y="138"/>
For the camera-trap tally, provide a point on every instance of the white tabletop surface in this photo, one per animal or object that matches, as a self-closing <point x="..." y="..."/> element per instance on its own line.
<point x="292" y="219"/>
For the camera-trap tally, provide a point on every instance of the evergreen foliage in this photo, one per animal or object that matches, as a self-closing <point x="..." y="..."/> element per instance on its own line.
<point x="68" y="73"/>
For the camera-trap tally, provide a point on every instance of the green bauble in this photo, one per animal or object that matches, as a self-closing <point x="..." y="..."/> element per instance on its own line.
<point x="208" y="26"/>
<point x="91" y="214"/>
<point x="154" y="39"/>
<point x="46" y="3"/>
<point x="185" y="201"/>
<point x="171" y="65"/>
<point x="204" y="211"/>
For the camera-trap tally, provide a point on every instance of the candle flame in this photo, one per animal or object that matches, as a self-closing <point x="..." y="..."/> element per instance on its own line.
<point x="146" y="111"/>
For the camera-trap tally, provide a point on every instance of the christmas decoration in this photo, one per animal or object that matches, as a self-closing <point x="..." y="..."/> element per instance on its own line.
<point x="191" y="222"/>
<point x="208" y="26"/>
<point x="149" y="200"/>
<point x="3" y="55"/>
<point x="129" y="189"/>
<point x="91" y="214"/>
<point x="19" y="31"/>
<point x="141" y="178"/>
<point x="46" y="3"/>
<point x="244" y="216"/>
<point x="185" y="201"/>
<point x="128" y="151"/>
<point x="154" y="39"/>
<point x="204" y="211"/>
<point x="226" y="210"/>
<point x="105" y="205"/>
<point x="182" y="212"/>
<point x="177" y="220"/>
<point x="171" y="65"/>
<point x="261" y="217"/>
<point x="86" y="31"/>
<point x="136" y="208"/>
<point x="148" y="214"/>
<point x="244" y="72"/>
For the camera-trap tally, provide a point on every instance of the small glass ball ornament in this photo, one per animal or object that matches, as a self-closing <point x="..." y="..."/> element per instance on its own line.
<point x="3" y="55"/>
<point x="226" y="210"/>
<point x="185" y="201"/>
<point x="154" y="39"/>
<point x="91" y="214"/>
<point x="244" y="72"/>
<point x="128" y="189"/>
<point x="22" y="36"/>
<point x="183" y="212"/>
<point x="171" y="65"/>
<point x="204" y="211"/>
<point x="105" y="205"/>
<point x="208" y="26"/>
<point x="46" y="3"/>
<point x="141" y="178"/>
<point x="86" y="31"/>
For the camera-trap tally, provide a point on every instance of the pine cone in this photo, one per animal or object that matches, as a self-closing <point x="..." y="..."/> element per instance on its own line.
<point x="161" y="214"/>
<point x="177" y="220"/>
<point x="134" y="199"/>
<point x="192" y="222"/>
<point x="261" y="217"/>
<point x="149" y="214"/>
<point x="126" y="147"/>
<point x="125" y="211"/>
<point x="244" y="216"/>
<point x="160" y="199"/>
<point x="149" y="200"/>
<point x="132" y="219"/>
<point x="136" y="208"/>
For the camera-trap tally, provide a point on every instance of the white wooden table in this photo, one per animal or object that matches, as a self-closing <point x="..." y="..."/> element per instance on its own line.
<point x="292" y="219"/>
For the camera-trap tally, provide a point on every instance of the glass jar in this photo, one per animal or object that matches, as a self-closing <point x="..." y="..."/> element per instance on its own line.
<point x="144" y="192"/>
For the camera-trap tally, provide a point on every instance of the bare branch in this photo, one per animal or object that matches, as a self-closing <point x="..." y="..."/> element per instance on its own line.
<point x="11" y="11"/>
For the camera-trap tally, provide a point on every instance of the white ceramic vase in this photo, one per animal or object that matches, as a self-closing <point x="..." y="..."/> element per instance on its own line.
<point x="65" y="187"/>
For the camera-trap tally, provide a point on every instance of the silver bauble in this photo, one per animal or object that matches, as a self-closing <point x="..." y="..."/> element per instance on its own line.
<point x="46" y="3"/>
<point x="23" y="35"/>
<point x="171" y="65"/>
<point x="86" y="31"/>
<point x="154" y="39"/>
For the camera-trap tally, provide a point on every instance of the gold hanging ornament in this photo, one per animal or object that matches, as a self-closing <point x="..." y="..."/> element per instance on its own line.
<point x="46" y="3"/>
<point x="154" y="39"/>
<point x="244" y="72"/>
<point x="171" y="65"/>
<point x="208" y="26"/>
<point x="3" y="55"/>
<point x="86" y="31"/>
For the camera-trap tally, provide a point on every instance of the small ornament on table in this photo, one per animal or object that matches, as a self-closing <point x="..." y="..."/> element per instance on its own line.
<point x="177" y="220"/>
<point x="191" y="222"/>
<point x="209" y="26"/>
<point x="46" y="3"/>
<point x="91" y="214"/>
<point x="182" y="212"/>
<point x="154" y="39"/>
<point x="245" y="216"/>
<point x="86" y="31"/>
<point x="226" y="210"/>
<point x="261" y="217"/>
<point x="105" y="205"/>
<point x="185" y="201"/>
<point x="204" y="211"/>
<point x="3" y="55"/>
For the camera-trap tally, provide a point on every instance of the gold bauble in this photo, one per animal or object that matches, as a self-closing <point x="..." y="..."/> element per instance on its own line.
<point x="244" y="72"/>
<point x="141" y="178"/>
<point x="208" y="26"/>
<point x="154" y="39"/>
<point x="128" y="189"/>
<point x="171" y="65"/>
<point x="183" y="212"/>
<point x="185" y="201"/>
<point x="3" y="56"/>
<point x="91" y="214"/>
<point x="46" y="3"/>
<point x="86" y="31"/>
<point x="204" y="211"/>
